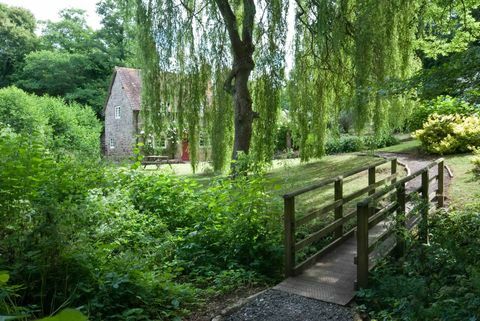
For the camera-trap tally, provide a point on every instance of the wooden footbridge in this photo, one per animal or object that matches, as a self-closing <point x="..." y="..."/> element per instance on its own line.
<point x="330" y="261"/>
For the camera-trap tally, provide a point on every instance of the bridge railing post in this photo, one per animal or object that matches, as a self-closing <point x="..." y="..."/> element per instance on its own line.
<point x="393" y="169"/>
<point x="339" y="210"/>
<point x="440" y="189"/>
<point x="371" y="178"/>
<point x="401" y="219"/>
<point x="426" y="205"/>
<point x="289" y="222"/>
<point x="362" y="244"/>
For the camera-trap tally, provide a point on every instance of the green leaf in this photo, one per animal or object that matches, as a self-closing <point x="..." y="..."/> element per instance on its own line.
<point x="4" y="277"/>
<point x="67" y="315"/>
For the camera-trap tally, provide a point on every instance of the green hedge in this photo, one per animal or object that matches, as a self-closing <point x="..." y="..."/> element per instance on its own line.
<point x="63" y="128"/>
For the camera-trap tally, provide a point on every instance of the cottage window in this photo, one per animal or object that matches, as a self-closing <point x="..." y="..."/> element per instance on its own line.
<point x="111" y="143"/>
<point x="117" y="112"/>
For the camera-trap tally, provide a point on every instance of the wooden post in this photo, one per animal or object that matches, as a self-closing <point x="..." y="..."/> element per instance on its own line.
<point x="425" y="207"/>
<point x="371" y="178"/>
<point x="289" y="222"/>
<point x="339" y="210"/>
<point x="362" y="245"/>
<point x="393" y="169"/>
<point x="401" y="219"/>
<point x="440" y="190"/>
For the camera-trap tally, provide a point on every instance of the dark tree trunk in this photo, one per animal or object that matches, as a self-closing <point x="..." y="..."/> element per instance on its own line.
<point x="243" y="119"/>
<point x="237" y="81"/>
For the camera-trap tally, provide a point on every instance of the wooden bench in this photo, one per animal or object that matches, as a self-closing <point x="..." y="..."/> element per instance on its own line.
<point x="155" y="160"/>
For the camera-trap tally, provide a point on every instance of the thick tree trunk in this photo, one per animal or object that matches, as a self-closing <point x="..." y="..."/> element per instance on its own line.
<point x="237" y="82"/>
<point x="244" y="115"/>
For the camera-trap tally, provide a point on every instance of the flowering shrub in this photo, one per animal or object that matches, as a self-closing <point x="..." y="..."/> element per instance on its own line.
<point x="447" y="134"/>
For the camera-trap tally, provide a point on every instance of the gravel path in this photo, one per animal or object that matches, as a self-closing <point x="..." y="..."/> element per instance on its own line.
<point x="415" y="163"/>
<point x="274" y="305"/>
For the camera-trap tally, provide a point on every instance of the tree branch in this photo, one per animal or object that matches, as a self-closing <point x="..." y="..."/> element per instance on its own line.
<point x="231" y="22"/>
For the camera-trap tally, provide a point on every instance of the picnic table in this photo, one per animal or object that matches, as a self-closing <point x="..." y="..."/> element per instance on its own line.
<point x="155" y="160"/>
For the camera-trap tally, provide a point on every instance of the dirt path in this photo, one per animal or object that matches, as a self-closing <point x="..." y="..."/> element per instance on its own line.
<point x="274" y="305"/>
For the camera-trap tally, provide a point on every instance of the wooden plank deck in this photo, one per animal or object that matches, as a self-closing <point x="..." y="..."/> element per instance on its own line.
<point x="332" y="278"/>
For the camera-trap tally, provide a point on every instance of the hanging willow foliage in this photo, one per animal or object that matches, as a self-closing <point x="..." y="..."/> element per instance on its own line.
<point x="346" y="55"/>
<point x="188" y="45"/>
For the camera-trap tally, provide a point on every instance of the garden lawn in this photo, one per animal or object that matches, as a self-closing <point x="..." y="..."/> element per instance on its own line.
<point x="464" y="187"/>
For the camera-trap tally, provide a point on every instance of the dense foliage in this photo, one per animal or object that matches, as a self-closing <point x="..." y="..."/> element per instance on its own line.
<point x="66" y="129"/>
<point x="350" y="143"/>
<point x="441" y="105"/>
<point x="68" y="58"/>
<point x="448" y="134"/>
<point x="454" y="75"/>
<point x="17" y="38"/>
<point x="436" y="281"/>
<point x="122" y="244"/>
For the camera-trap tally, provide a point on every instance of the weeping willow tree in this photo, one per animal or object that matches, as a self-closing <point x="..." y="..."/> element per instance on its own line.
<point x="200" y="57"/>
<point x="221" y="64"/>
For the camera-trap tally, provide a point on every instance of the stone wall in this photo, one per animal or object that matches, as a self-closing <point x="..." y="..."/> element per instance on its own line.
<point x="121" y="130"/>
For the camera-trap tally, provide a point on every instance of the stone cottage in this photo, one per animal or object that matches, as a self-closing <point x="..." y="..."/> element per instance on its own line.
<point x="122" y="109"/>
<point x="123" y="123"/>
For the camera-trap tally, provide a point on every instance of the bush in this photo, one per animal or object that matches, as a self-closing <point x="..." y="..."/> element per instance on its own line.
<point x="63" y="128"/>
<point x="348" y="144"/>
<point x="124" y="245"/>
<point x="447" y="134"/>
<point x="438" y="281"/>
<point x="344" y="144"/>
<point x="442" y="105"/>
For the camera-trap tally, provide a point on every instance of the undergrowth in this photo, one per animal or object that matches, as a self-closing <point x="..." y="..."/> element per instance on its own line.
<point x="435" y="281"/>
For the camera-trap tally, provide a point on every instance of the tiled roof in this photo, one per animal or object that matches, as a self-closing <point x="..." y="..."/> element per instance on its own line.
<point x="131" y="84"/>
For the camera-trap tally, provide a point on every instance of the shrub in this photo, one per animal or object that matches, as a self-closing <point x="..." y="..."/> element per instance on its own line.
<point x="124" y="245"/>
<point x="442" y="105"/>
<point x="349" y="143"/>
<point x="344" y="144"/>
<point x="438" y="281"/>
<point x="63" y="128"/>
<point x="19" y="112"/>
<point x="447" y="134"/>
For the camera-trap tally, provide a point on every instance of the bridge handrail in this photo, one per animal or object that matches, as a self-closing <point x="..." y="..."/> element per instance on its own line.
<point x="365" y="219"/>
<point x="337" y="226"/>
<point x="328" y="181"/>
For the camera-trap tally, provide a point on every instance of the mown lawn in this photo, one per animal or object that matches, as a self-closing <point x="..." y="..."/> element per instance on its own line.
<point x="290" y="174"/>
<point x="464" y="187"/>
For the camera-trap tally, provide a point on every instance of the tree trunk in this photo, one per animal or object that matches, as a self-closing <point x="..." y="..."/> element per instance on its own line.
<point x="243" y="116"/>
<point x="242" y="50"/>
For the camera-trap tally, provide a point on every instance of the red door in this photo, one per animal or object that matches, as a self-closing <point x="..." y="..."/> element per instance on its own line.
<point x="185" y="153"/>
